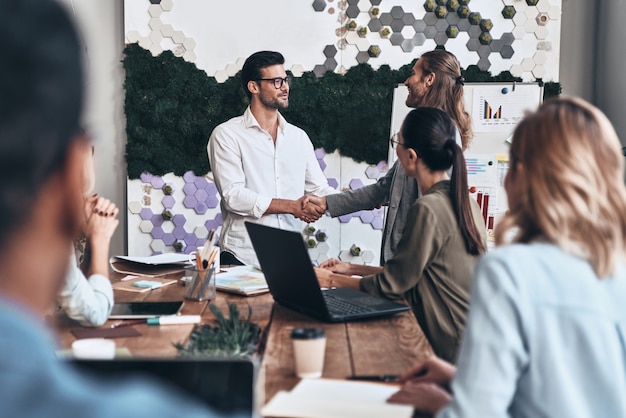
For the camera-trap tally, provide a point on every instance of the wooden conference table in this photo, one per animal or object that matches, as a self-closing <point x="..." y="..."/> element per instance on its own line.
<point x="377" y="346"/>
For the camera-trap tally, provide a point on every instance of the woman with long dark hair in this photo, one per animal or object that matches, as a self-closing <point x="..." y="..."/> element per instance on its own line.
<point x="442" y="241"/>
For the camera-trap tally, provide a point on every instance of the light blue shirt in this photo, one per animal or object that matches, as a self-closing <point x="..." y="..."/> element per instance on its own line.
<point x="545" y="338"/>
<point x="36" y="384"/>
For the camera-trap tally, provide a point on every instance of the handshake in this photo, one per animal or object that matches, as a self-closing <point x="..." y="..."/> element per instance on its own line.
<point x="310" y="208"/>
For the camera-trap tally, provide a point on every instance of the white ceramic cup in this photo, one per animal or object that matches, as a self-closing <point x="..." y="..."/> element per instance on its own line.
<point x="309" y="347"/>
<point x="94" y="348"/>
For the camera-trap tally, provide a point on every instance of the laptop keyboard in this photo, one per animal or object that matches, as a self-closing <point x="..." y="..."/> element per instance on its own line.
<point x="341" y="306"/>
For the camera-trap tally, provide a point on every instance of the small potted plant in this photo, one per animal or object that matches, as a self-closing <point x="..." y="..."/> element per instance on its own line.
<point x="374" y="12"/>
<point x="311" y="243"/>
<point x="352" y="25"/>
<point x="362" y="31"/>
<point x="355" y="250"/>
<point x="385" y="32"/>
<point x="167" y="215"/>
<point x="168" y="189"/>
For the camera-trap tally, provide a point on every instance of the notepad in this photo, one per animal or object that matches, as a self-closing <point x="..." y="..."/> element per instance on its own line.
<point x="329" y="398"/>
<point x="241" y="280"/>
<point x="152" y="266"/>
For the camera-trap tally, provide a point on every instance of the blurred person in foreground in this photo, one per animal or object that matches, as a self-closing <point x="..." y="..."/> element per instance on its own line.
<point x="41" y="202"/>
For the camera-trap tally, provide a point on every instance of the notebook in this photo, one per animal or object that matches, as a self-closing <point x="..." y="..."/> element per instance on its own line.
<point x="291" y="279"/>
<point x="224" y="385"/>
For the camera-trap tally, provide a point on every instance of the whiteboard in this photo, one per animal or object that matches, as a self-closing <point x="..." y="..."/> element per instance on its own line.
<point x="495" y="110"/>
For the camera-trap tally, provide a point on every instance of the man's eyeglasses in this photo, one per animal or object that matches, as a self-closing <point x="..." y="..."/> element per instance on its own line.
<point x="278" y="81"/>
<point x="394" y="141"/>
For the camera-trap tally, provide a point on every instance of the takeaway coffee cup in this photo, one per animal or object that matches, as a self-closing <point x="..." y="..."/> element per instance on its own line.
<point x="309" y="346"/>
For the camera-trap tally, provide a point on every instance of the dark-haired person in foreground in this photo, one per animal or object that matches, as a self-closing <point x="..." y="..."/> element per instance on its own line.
<point x="444" y="236"/>
<point x="41" y="204"/>
<point x="261" y="164"/>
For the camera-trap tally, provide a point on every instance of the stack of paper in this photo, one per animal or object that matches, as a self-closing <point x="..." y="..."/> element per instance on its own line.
<point x="152" y="266"/>
<point x="327" y="398"/>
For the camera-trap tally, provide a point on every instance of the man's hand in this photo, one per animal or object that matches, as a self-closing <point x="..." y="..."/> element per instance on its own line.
<point x="426" y="397"/>
<point x="319" y="201"/>
<point x="307" y="210"/>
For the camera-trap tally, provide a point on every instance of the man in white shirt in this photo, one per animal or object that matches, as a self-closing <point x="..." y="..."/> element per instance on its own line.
<point x="261" y="164"/>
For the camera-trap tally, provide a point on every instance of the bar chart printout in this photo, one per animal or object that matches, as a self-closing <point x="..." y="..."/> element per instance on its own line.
<point x="495" y="111"/>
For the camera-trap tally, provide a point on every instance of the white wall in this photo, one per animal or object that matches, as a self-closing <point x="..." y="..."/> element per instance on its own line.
<point x="102" y="26"/>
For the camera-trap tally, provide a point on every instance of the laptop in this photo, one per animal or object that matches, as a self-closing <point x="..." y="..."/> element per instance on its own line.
<point x="291" y="278"/>
<point x="226" y="385"/>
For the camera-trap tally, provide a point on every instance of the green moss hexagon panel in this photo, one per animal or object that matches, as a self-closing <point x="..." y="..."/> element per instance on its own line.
<point x="508" y="12"/>
<point x="532" y="2"/>
<point x="475" y="18"/>
<point x="452" y="5"/>
<point x="429" y="5"/>
<point x="441" y="12"/>
<point x="463" y="11"/>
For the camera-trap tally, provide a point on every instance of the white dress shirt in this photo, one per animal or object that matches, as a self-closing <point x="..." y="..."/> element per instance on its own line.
<point x="250" y="170"/>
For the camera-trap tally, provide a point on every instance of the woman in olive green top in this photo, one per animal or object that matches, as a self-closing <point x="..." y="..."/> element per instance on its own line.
<point x="441" y="243"/>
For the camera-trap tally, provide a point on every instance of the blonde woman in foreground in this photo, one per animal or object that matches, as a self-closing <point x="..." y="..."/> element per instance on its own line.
<point x="546" y="334"/>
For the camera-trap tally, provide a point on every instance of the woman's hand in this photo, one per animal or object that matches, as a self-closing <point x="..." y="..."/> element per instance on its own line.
<point x="426" y="397"/>
<point x="431" y="370"/>
<point x="336" y="266"/>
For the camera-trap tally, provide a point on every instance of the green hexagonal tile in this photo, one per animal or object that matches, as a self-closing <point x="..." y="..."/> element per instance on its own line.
<point x="441" y="12"/>
<point x="474" y="18"/>
<point x="486" y="25"/>
<point x="452" y="31"/>
<point x="441" y="2"/>
<point x="452" y="5"/>
<point x="508" y="12"/>
<point x="485" y="38"/>
<point x="463" y="11"/>
<point x="430" y="5"/>
<point x="532" y="2"/>
<point x="464" y="2"/>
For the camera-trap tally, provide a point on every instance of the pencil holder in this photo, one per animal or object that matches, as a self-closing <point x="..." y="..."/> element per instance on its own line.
<point x="201" y="284"/>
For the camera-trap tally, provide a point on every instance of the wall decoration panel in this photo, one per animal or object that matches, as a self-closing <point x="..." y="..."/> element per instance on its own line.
<point x="171" y="213"/>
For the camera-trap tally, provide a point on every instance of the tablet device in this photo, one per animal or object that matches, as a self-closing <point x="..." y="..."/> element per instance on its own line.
<point x="123" y="310"/>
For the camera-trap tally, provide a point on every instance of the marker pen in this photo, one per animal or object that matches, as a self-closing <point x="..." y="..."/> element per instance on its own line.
<point x="174" y="320"/>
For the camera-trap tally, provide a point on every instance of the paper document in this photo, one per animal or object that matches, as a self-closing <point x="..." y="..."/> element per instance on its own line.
<point x="153" y="266"/>
<point x="157" y="260"/>
<point x="329" y="398"/>
<point x="242" y="280"/>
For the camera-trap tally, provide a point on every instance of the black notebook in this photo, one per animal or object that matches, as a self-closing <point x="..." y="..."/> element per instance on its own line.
<point x="291" y="279"/>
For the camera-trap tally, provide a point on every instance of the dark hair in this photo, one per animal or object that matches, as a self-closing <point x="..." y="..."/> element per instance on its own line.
<point x="431" y="133"/>
<point x="41" y="86"/>
<point x="254" y="63"/>
<point x="446" y="93"/>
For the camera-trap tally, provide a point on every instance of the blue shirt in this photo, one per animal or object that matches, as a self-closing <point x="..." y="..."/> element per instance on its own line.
<point x="545" y="338"/>
<point x="36" y="384"/>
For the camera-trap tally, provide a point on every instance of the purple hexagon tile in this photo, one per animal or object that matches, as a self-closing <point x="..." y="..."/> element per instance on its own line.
<point x="189" y="189"/>
<point x="201" y="208"/>
<point x="212" y="201"/>
<point x="157" y="232"/>
<point x="179" y="220"/>
<point x="382" y="166"/>
<point x="190" y="248"/>
<point x="210" y="188"/>
<point x="332" y="182"/>
<point x="157" y="182"/>
<point x="146" y="214"/>
<point x="201" y="195"/>
<point x="168" y="201"/>
<point x="190" y="202"/>
<point x="179" y="233"/>
<point x="355" y="184"/>
<point x="200" y="182"/>
<point x="189" y="177"/>
<point x="200" y="242"/>
<point x="168" y="239"/>
<point x="345" y="218"/>
<point x="372" y="172"/>
<point x="377" y="223"/>
<point x="320" y="153"/>
<point x="146" y="177"/>
<point x="157" y="219"/>
<point x="366" y="216"/>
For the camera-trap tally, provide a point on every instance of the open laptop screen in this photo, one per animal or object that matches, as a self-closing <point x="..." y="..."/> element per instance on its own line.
<point x="225" y="385"/>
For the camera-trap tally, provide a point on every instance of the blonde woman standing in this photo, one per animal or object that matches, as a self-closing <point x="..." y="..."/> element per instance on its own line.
<point x="546" y="333"/>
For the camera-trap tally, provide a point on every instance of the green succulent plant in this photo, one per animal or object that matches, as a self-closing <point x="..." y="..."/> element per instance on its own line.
<point x="232" y="337"/>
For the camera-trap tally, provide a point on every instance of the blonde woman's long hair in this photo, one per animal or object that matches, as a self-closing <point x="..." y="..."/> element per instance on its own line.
<point x="572" y="189"/>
